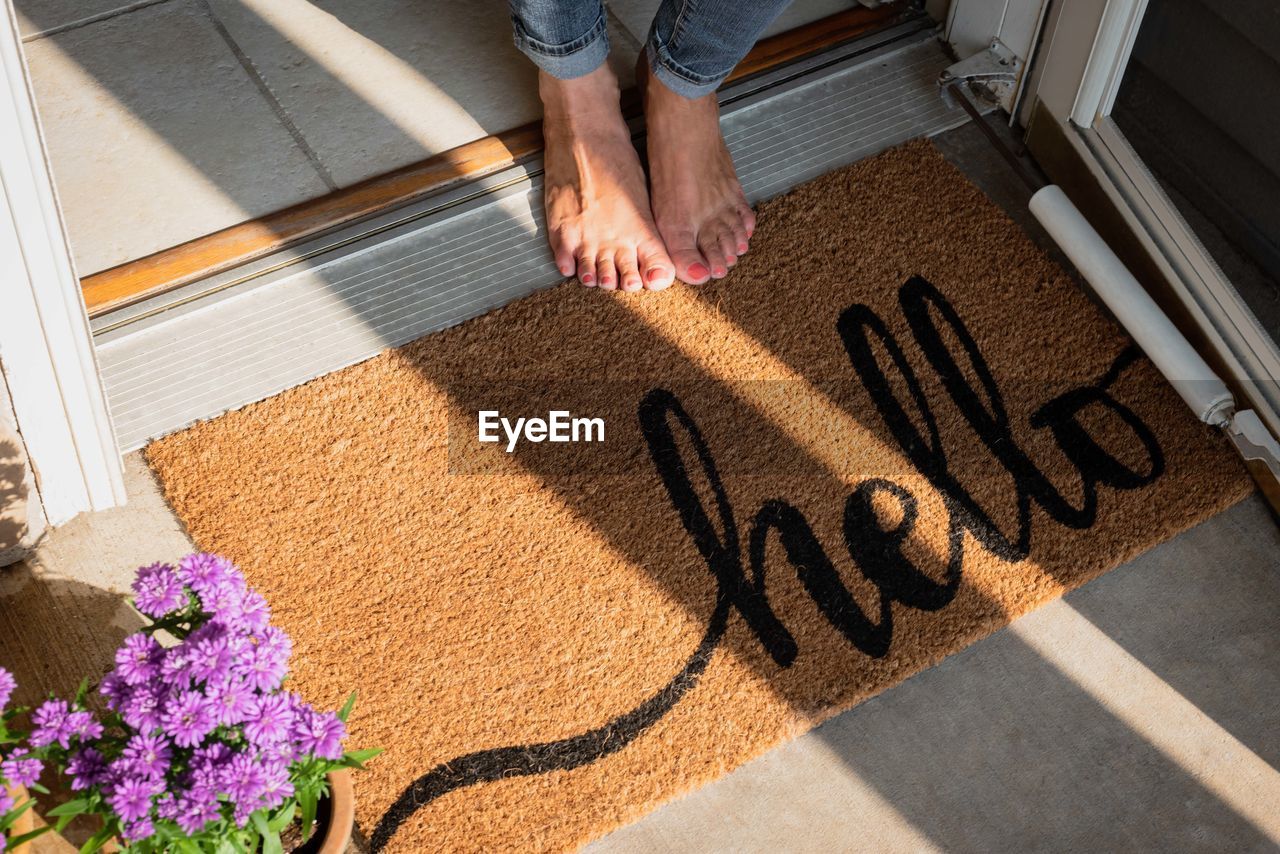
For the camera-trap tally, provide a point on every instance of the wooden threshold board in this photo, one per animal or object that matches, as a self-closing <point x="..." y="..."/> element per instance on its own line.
<point x="179" y="265"/>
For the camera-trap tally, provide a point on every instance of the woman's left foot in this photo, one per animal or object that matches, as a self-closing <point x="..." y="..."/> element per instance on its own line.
<point x="697" y="202"/>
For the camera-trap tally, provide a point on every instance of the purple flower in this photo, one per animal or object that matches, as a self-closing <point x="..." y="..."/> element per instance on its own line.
<point x="87" y="768"/>
<point x="140" y="829"/>
<point x="269" y="719"/>
<point x="83" y="725"/>
<point x="277" y="786"/>
<point x="188" y="718"/>
<point x="7" y="684"/>
<point x="50" y="724"/>
<point x="231" y="700"/>
<point x="225" y="605"/>
<point x="21" y="770"/>
<point x="209" y="660"/>
<point x="131" y="799"/>
<point x="138" y="659"/>
<point x="204" y="571"/>
<point x="254" y="611"/>
<point x="264" y="666"/>
<point x="6" y="804"/>
<point x="206" y="765"/>
<point x="319" y="734"/>
<point x="158" y="590"/>
<point x="116" y="690"/>
<point x="148" y="755"/>
<point x="243" y="778"/>
<point x="144" y="709"/>
<point x="196" y="809"/>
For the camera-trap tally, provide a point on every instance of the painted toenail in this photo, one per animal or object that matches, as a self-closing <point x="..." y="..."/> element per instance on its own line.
<point x="742" y="247"/>
<point x="697" y="271"/>
<point x="587" y="278"/>
<point x="720" y="271"/>
<point x="654" y="274"/>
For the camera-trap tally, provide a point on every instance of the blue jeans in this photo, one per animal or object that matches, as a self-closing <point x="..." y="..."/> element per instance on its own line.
<point x="692" y="44"/>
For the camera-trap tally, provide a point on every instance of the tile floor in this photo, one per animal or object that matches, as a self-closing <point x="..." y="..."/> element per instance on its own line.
<point x="170" y="119"/>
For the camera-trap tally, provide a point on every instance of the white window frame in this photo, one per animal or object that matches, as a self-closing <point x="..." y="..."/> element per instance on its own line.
<point x="46" y="349"/>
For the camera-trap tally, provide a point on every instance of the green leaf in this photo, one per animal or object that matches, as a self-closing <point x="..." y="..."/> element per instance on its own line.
<point x="363" y="755"/>
<point x="283" y="816"/>
<point x="347" y="707"/>
<point x="271" y="844"/>
<point x="12" y="815"/>
<point x="96" y="841"/>
<point x="307" y="800"/>
<point x="186" y="846"/>
<point x="70" y="808"/>
<point x="15" y="841"/>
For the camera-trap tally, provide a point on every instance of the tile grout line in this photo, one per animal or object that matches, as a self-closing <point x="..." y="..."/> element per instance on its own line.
<point x="265" y="90"/>
<point x="92" y="19"/>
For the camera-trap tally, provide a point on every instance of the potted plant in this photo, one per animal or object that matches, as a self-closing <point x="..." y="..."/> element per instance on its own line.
<point x="200" y="746"/>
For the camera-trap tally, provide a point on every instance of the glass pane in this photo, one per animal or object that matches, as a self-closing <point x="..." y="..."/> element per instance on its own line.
<point x="1200" y="104"/>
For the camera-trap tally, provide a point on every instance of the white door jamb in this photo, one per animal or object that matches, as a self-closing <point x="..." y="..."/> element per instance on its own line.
<point x="46" y="351"/>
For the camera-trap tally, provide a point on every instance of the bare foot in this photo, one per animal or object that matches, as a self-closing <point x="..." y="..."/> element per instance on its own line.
<point x="698" y="204"/>
<point x="598" y="216"/>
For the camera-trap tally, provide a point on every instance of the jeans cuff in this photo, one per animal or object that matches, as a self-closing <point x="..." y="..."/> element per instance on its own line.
<point x="571" y="59"/>
<point x="676" y="77"/>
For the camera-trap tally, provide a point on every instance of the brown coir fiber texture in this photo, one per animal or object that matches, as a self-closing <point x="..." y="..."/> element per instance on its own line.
<point x="536" y="636"/>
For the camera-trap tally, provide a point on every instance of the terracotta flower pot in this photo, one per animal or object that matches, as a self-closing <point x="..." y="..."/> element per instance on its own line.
<point x="342" y="813"/>
<point x="27" y="821"/>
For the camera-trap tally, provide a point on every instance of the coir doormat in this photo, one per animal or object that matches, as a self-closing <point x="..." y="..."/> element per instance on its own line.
<point x="894" y="428"/>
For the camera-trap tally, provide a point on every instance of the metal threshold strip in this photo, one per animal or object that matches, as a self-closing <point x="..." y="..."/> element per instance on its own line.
<point x="244" y="335"/>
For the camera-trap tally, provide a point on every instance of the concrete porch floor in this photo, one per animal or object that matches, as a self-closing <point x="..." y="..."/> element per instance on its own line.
<point x="1141" y="712"/>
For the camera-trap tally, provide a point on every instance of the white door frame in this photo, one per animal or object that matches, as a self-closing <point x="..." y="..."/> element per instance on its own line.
<point x="46" y="350"/>
<point x="1088" y="44"/>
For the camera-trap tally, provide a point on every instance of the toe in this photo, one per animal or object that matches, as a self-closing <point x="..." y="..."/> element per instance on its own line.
<point x="656" y="266"/>
<point x="564" y="246"/>
<point x="741" y="243"/>
<point x="728" y="246"/>
<point x="606" y="272"/>
<point x="709" y="244"/>
<point x="690" y="266"/>
<point x="587" y="269"/>
<point x="629" y="271"/>
<point x="748" y="218"/>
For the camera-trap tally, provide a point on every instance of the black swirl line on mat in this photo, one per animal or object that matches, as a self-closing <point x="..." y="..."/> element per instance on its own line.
<point x="876" y="551"/>
<point x="486" y="766"/>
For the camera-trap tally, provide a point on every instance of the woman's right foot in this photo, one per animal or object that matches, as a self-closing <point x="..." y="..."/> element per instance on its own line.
<point x="598" y="217"/>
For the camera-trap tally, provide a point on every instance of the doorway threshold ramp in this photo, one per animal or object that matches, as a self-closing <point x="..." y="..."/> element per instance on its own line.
<point x="218" y="344"/>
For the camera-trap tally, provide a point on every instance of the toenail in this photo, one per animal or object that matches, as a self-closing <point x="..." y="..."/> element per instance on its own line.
<point x="742" y="247"/>
<point x="654" y="274"/>
<point x="720" y="271"/>
<point x="587" y="278"/>
<point x="697" y="271"/>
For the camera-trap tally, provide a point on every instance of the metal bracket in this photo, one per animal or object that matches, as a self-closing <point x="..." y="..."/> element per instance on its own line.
<point x="1253" y="441"/>
<point x="992" y="72"/>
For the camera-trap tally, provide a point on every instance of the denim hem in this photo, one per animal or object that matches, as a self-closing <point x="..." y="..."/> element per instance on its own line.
<point x="677" y="78"/>
<point x="571" y="59"/>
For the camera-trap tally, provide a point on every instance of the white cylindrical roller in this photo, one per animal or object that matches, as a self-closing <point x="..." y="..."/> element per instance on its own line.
<point x="1190" y="376"/>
